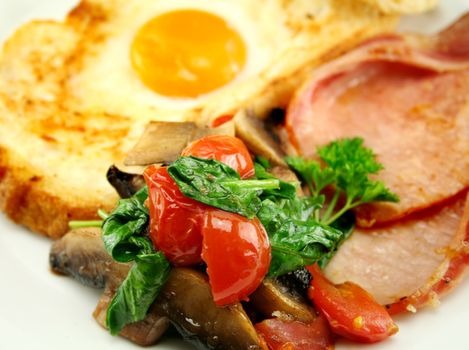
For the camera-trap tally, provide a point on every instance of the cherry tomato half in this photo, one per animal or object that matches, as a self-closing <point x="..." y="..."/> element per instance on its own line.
<point x="175" y="220"/>
<point x="237" y="253"/>
<point x="226" y="149"/>
<point x="351" y="311"/>
<point x="295" y="335"/>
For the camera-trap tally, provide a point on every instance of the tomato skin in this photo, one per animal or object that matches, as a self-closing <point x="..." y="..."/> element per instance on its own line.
<point x="351" y="311"/>
<point x="222" y="120"/>
<point x="226" y="149"/>
<point x="175" y="220"/>
<point x="295" y="335"/>
<point x="237" y="253"/>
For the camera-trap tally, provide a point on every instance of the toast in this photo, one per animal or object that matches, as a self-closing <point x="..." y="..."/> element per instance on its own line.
<point x="403" y="6"/>
<point x="62" y="124"/>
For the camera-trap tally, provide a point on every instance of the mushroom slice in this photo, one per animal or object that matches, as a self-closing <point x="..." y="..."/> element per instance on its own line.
<point x="145" y="332"/>
<point x="272" y="298"/>
<point x="81" y="254"/>
<point x="162" y="142"/>
<point x="126" y="184"/>
<point x="187" y="301"/>
<point x="251" y="130"/>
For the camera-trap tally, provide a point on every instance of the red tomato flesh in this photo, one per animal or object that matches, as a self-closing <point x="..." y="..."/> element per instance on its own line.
<point x="175" y="220"/>
<point x="351" y="311"/>
<point x="237" y="253"/>
<point x="226" y="149"/>
<point x="296" y="335"/>
<point x="222" y="120"/>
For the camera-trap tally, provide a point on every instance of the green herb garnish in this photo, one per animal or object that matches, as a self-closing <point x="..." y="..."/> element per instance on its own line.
<point x="347" y="170"/>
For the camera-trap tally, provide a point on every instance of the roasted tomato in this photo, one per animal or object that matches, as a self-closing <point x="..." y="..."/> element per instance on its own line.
<point x="226" y="149"/>
<point x="351" y="311"/>
<point x="295" y="335"/>
<point x="175" y="220"/>
<point x="237" y="253"/>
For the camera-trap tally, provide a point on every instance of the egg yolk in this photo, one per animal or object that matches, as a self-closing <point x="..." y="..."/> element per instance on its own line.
<point x="186" y="53"/>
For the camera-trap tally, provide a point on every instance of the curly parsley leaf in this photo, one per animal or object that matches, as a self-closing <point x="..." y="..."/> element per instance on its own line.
<point x="348" y="166"/>
<point x="311" y="173"/>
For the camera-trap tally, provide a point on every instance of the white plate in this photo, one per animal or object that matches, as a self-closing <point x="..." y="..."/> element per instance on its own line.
<point x="39" y="310"/>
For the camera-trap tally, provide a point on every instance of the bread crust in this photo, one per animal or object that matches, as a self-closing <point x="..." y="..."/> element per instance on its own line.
<point x="27" y="203"/>
<point x="403" y="6"/>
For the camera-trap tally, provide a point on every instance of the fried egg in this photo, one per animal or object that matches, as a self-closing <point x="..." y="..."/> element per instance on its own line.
<point x="170" y="60"/>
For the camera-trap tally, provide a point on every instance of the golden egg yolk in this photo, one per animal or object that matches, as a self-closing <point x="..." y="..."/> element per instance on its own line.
<point x="186" y="53"/>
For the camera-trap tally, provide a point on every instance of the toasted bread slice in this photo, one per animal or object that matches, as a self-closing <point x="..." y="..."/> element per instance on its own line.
<point x="64" y="120"/>
<point x="403" y="6"/>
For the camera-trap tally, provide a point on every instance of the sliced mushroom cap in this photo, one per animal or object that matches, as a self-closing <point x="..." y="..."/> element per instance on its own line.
<point x="251" y="130"/>
<point x="126" y="184"/>
<point x="187" y="301"/>
<point x="145" y="332"/>
<point x="81" y="254"/>
<point x="272" y="298"/>
<point x="162" y="142"/>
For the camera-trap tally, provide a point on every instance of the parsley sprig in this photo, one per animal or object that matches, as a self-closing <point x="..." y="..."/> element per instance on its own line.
<point x="347" y="170"/>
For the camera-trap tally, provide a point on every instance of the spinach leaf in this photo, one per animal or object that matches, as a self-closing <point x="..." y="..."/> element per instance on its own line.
<point x="345" y="224"/>
<point x="138" y="291"/>
<point x="295" y="239"/>
<point x="129" y="218"/>
<point x="285" y="190"/>
<point x="123" y="236"/>
<point x="300" y="243"/>
<point x="214" y="183"/>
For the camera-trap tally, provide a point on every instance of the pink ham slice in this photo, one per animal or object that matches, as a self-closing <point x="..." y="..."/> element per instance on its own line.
<point x="408" y="97"/>
<point x="410" y="262"/>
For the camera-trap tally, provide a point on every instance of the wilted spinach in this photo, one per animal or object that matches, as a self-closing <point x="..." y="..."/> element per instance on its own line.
<point x="124" y="239"/>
